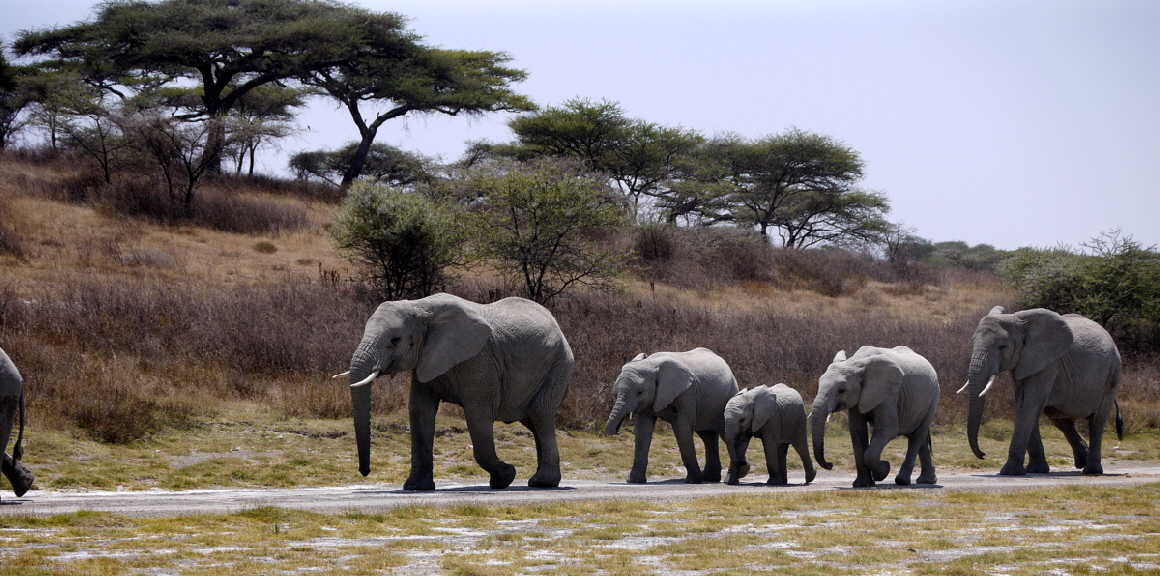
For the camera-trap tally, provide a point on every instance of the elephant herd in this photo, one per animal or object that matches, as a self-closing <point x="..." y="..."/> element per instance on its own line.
<point x="509" y="361"/>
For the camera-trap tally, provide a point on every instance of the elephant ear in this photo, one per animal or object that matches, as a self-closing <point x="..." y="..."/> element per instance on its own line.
<point x="455" y="332"/>
<point x="639" y="357"/>
<point x="997" y="311"/>
<point x="1046" y="338"/>
<point x="881" y="379"/>
<point x="673" y="378"/>
<point x="764" y="403"/>
<point x="839" y="357"/>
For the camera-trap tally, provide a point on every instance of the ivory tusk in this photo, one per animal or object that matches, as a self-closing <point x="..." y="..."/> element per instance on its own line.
<point x="347" y="373"/>
<point x="964" y="387"/>
<point x="366" y="380"/>
<point x="987" y="387"/>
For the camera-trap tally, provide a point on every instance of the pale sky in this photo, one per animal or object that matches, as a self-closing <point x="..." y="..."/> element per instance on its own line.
<point x="1013" y="123"/>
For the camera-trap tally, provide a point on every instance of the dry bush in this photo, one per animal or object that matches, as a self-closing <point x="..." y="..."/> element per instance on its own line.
<point x="701" y="258"/>
<point x="311" y="190"/>
<point x="213" y="208"/>
<point x="11" y="241"/>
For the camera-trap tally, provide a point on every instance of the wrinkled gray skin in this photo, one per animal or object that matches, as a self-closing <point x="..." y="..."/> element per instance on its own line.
<point x="506" y="361"/>
<point x="1065" y="367"/>
<point x="11" y="401"/>
<point x="686" y="389"/>
<point x="777" y="415"/>
<point x="896" y="391"/>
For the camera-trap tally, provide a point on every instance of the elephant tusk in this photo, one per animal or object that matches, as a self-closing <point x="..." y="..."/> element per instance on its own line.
<point x="964" y="387"/>
<point x="347" y="373"/>
<point x="366" y="380"/>
<point x="987" y="387"/>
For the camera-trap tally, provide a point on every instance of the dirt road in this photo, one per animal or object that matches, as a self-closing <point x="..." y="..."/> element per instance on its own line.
<point x="372" y="497"/>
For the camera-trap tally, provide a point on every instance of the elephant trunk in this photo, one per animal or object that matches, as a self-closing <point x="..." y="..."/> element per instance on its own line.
<point x="818" y="414"/>
<point x="620" y="412"/>
<point x="976" y="380"/>
<point x="360" y="399"/>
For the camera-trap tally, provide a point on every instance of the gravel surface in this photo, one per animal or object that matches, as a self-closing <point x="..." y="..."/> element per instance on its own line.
<point x="368" y="497"/>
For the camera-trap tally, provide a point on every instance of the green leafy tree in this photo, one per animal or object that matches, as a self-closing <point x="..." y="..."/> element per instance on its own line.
<point x="540" y="223"/>
<point x="384" y="164"/>
<point x="403" y="243"/>
<point x="395" y="72"/>
<point x="801" y="184"/>
<point x="640" y="157"/>
<point x="13" y="100"/>
<point x="1116" y="282"/>
<point x="228" y="48"/>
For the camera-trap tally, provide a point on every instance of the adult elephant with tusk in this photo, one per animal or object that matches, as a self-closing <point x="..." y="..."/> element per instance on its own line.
<point x="896" y="391"/>
<point x="1064" y="367"/>
<point x="506" y="361"/>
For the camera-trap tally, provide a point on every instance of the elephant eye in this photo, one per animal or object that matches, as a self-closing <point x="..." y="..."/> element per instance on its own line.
<point x="395" y="341"/>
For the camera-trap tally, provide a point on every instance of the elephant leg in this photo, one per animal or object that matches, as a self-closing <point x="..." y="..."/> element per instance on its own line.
<point x="684" y="432"/>
<point x="20" y="477"/>
<point x="775" y="460"/>
<point x="547" y="453"/>
<point x="712" y="470"/>
<point x="1028" y="407"/>
<point x="1096" y="432"/>
<point x="860" y="438"/>
<point x="801" y="445"/>
<point x="643" y="430"/>
<point x="1036" y="457"/>
<point x="927" y="476"/>
<point x="422" y="407"/>
<point x="1079" y="448"/>
<point x="481" y="427"/>
<point x="883" y="434"/>
<point x="907" y="467"/>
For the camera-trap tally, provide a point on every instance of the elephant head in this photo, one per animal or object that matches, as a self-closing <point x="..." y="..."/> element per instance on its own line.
<point x="861" y="382"/>
<point x="648" y="383"/>
<point x="1024" y="343"/>
<point x="428" y="336"/>
<point x="745" y="414"/>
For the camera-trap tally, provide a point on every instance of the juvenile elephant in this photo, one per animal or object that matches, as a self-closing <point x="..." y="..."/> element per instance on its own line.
<point x="11" y="402"/>
<point x="777" y="415"/>
<point x="686" y="389"/>
<point x="896" y="391"/>
<point x="506" y="361"/>
<point x="1065" y="367"/>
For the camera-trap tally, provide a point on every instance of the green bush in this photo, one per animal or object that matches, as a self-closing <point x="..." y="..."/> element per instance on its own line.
<point x="1116" y="282"/>
<point x="402" y="242"/>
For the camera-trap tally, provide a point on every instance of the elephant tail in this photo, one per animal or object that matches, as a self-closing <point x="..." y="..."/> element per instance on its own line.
<point x="1119" y="422"/>
<point x="18" y="450"/>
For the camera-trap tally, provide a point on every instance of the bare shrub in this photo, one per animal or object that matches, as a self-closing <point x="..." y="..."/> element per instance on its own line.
<point x="11" y="241"/>
<point x="702" y="258"/>
<point x="219" y="210"/>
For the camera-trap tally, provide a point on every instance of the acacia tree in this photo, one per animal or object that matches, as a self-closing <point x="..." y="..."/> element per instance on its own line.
<point x="413" y="79"/>
<point x="228" y="48"/>
<point x="640" y="157"/>
<point x="387" y="164"/>
<point x="536" y="221"/>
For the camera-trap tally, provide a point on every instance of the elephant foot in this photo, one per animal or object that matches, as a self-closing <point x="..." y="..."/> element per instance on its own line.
<point x="1038" y="467"/>
<point x="695" y="477"/>
<point x="20" y="476"/>
<point x="419" y="483"/>
<point x="1013" y="468"/>
<point x="861" y="482"/>
<point x="545" y="478"/>
<point x="880" y="470"/>
<point x="1093" y="468"/>
<point x="503" y="477"/>
<point x="902" y="480"/>
<point x="732" y="480"/>
<point x="1081" y="461"/>
<point x="739" y="471"/>
<point x="777" y="481"/>
<point x="810" y="474"/>
<point x="711" y="475"/>
<point x="925" y="478"/>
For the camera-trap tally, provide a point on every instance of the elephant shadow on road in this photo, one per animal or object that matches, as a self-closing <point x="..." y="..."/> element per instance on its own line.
<point x="471" y="488"/>
<point x="892" y="486"/>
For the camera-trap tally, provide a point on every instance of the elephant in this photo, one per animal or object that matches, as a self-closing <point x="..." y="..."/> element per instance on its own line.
<point x="11" y="402"/>
<point x="775" y="414"/>
<point x="506" y="361"/>
<point x="896" y="391"/>
<point x="686" y="389"/>
<point x="1065" y="367"/>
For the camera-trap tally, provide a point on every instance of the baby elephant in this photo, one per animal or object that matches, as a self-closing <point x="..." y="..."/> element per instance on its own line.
<point x="686" y="389"/>
<point x="777" y="415"/>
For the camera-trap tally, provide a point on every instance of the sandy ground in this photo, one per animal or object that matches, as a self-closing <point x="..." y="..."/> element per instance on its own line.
<point x="368" y="498"/>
